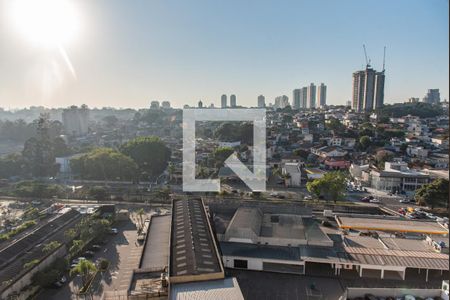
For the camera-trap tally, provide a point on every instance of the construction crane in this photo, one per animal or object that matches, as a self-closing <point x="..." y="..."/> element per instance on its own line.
<point x="367" y="59"/>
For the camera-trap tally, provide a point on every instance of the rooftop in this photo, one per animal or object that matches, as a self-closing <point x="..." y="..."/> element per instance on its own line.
<point x="193" y="251"/>
<point x="156" y="251"/>
<point x="373" y="223"/>
<point x="227" y="288"/>
<point x="280" y="229"/>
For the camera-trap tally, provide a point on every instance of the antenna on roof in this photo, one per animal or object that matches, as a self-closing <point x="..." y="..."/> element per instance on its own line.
<point x="384" y="58"/>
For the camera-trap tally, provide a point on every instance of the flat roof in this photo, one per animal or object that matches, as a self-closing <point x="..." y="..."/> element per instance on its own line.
<point x="227" y="288"/>
<point x="389" y="224"/>
<point x="156" y="251"/>
<point x="260" y="251"/>
<point x="193" y="250"/>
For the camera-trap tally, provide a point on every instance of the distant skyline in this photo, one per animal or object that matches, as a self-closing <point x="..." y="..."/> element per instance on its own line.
<point x="129" y="53"/>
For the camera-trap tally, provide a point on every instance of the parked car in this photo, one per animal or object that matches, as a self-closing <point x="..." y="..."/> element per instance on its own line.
<point x="77" y="260"/>
<point x="95" y="248"/>
<point x="114" y="231"/>
<point x="374" y="200"/>
<point x="326" y="224"/>
<point x="89" y="253"/>
<point x="404" y="201"/>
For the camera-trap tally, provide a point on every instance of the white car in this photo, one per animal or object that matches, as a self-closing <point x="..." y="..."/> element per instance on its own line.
<point x="77" y="260"/>
<point x="374" y="200"/>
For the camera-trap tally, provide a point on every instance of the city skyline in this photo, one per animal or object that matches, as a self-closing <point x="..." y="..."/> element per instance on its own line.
<point x="160" y="54"/>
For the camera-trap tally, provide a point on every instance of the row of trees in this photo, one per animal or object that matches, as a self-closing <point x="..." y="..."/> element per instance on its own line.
<point x="331" y="186"/>
<point x="40" y="149"/>
<point x="19" y="131"/>
<point x="141" y="158"/>
<point x="434" y="194"/>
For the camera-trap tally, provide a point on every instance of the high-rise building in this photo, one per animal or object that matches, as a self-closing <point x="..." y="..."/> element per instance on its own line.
<point x="311" y="96"/>
<point x="233" y="101"/>
<point x="154" y="105"/>
<point x="223" y="101"/>
<point x="413" y="100"/>
<point x="281" y="102"/>
<point x="165" y="104"/>
<point x="379" y="89"/>
<point x="200" y="104"/>
<point x="433" y="96"/>
<point x="76" y="120"/>
<point x="261" y="101"/>
<point x="304" y="97"/>
<point x="368" y="90"/>
<point x="296" y="98"/>
<point x="322" y="95"/>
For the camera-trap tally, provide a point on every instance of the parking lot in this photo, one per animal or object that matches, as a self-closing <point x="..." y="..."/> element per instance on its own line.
<point x="122" y="251"/>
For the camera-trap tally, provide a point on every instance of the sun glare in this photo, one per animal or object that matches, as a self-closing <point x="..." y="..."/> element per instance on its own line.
<point x="47" y="23"/>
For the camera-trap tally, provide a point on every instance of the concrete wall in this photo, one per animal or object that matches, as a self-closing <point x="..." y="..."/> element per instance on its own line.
<point x="256" y="264"/>
<point x="25" y="280"/>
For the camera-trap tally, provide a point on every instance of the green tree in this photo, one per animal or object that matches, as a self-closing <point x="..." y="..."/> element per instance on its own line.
<point x="149" y="153"/>
<point x="31" y="263"/>
<point x="85" y="268"/>
<point x="103" y="264"/>
<point x="383" y="156"/>
<point x="331" y="186"/>
<point x="221" y="154"/>
<point x="77" y="246"/>
<point x="171" y="170"/>
<point x="51" y="246"/>
<point x="70" y="234"/>
<point x="302" y="153"/>
<point x="98" y="193"/>
<point x="335" y="125"/>
<point x="434" y="194"/>
<point x="38" y="151"/>
<point x="100" y="228"/>
<point x="364" y="141"/>
<point x="104" y="164"/>
<point x="140" y="212"/>
<point x="235" y="131"/>
<point x="12" y="165"/>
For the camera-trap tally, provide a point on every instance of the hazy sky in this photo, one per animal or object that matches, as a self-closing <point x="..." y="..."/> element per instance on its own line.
<point x="128" y="53"/>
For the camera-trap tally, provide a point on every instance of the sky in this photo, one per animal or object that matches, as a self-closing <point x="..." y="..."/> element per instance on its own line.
<point x="129" y="53"/>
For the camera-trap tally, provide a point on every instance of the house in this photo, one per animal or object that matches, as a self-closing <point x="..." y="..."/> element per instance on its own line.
<point x="440" y="142"/>
<point x="417" y="152"/>
<point x="396" y="176"/>
<point x="438" y="160"/>
<point x="293" y="172"/>
<point x="357" y="172"/>
<point x="329" y="151"/>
